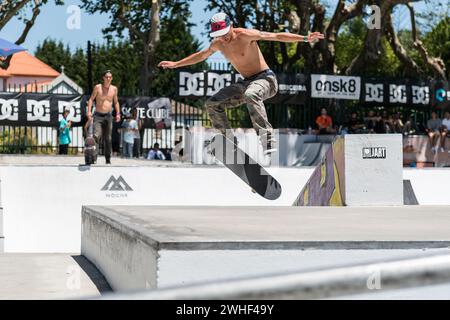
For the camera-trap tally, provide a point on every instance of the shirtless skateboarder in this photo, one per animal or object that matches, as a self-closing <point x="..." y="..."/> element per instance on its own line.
<point x="105" y="95"/>
<point x="240" y="47"/>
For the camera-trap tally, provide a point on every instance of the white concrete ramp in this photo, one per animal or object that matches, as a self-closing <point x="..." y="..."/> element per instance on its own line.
<point x="158" y="246"/>
<point x="42" y="202"/>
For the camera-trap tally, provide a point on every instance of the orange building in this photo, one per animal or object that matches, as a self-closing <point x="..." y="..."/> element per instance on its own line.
<point x="28" y="73"/>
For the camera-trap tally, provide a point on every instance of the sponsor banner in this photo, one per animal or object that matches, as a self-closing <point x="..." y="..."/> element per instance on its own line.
<point x="292" y="88"/>
<point x="395" y="92"/>
<point x="440" y="94"/>
<point x="373" y="92"/>
<point x="46" y="110"/>
<point x="420" y="93"/>
<point x="335" y="87"/>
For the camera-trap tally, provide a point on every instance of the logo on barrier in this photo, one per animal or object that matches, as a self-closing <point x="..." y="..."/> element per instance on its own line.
<point x="374" y="153"/>
<point x="38" y="110"/>
<point x="117" y="188"/>
<point x="9" y="109"/>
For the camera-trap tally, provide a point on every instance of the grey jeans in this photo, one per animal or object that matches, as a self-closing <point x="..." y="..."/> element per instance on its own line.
<point x="103" y="131"/>
<point x="253" y="92"/>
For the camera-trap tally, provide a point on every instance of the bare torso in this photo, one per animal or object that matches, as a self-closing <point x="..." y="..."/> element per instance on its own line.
<point x="104" y="99"/>
<point x="243" y="54"/>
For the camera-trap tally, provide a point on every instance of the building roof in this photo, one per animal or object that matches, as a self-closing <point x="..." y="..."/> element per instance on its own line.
<point x="26" y="65"/>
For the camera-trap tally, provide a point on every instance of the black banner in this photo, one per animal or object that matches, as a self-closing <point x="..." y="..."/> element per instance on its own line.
<point x="292" y="88"/>
<point x="46" y="110"/>
<point x="295" y="88"/>
<point x="395" y="92"/>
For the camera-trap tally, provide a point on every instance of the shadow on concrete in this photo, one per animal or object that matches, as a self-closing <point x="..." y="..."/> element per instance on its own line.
<point x="94" y="274"/>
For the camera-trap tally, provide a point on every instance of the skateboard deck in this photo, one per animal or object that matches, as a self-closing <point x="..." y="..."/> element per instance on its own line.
<point x="90" y="151"/>
<point x="242" y="165"/>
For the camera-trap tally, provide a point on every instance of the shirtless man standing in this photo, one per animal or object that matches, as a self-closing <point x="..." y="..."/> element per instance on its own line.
<point x="105" y="95"/>
<point x="240" y="47"/>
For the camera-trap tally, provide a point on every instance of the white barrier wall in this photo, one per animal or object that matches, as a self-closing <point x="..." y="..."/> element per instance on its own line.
<point x="42" y="205"/>
<point x="373" y="169"/>
<point x="294" y="149"/>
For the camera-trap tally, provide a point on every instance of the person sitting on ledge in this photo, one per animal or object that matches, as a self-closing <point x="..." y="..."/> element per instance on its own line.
<point x="155" y="153"/>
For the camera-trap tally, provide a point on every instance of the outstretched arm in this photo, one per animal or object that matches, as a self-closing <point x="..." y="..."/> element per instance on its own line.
<point x="257" y="35"/>
<point x="190" y="60"/>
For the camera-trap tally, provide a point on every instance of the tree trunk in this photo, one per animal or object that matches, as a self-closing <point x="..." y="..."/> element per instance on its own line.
<point x="149" y="66"/>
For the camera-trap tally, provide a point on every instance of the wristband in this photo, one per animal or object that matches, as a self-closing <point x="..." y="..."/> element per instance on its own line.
<point x="305" y="38"/>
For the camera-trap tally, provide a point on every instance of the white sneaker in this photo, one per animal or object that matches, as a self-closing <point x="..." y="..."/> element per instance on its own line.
<point x="442" y="149"/>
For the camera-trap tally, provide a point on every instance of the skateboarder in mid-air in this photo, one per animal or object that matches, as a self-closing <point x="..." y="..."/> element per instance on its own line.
<point x="241" y="48"/>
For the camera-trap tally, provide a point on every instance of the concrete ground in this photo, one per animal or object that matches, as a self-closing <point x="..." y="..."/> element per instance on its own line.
<point x="50" y="160"/>
<point x="49" y="276"/>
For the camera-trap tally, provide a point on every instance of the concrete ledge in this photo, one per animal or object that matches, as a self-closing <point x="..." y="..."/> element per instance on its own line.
<point x="205" y="227"/>
<point x="121" y="255"/>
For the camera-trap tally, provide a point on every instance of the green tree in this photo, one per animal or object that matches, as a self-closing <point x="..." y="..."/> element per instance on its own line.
<point x="53" y="53"/>
<point x="437" y="41"/>
<point x="176" y="43"/>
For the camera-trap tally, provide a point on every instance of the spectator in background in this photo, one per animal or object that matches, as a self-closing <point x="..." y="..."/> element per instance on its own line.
<point x="388" y="122"/>
<point x="445" y="129"/>
<point x="410" y="127"/>
<point x="380" y="124"/>
<point x="324" y="123"/>
<point x="397" y="123"/>
<point x="434" y="126"/>
<point x="64" y="133"/>
<point x="355" y="125"/>
<point x="155" y="153"/>
<point x="370" y="121"/>
<point x="115" y="138"/>
<point x="129" y="128"/>
<point x="137" y="135"/>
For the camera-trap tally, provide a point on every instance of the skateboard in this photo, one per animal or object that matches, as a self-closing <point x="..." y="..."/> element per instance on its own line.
<point x="247" y="169"/>
<point x="90" y="151"/>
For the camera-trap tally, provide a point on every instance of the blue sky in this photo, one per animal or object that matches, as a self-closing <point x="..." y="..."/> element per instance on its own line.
<point x="52" y="23"/>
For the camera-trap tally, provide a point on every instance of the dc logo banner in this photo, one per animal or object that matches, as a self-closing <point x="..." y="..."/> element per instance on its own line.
<point x="374" y="92"/>
<point x="420" y="94"/>
<point x="9" y="109"/>
<point x="74" y="110"/>
<point x="217" y="81"/>
<point x="191" y="84"/>
<point x="397" y="93"/>
<point x="38" y="110"/>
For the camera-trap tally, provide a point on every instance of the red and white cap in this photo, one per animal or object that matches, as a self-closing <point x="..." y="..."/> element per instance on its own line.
<point x="220" y="24"/>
